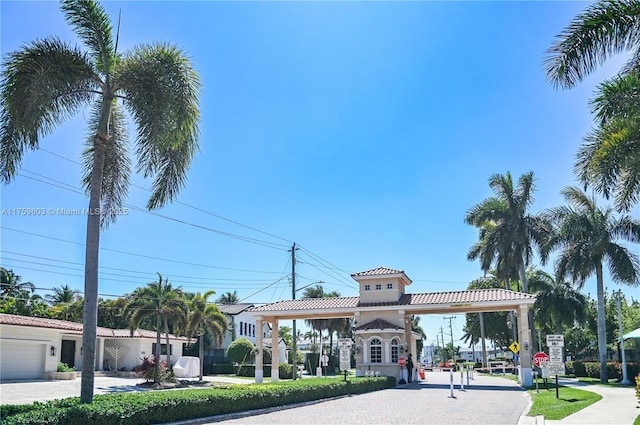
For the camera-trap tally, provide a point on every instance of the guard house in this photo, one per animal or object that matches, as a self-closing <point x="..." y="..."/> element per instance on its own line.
<point x="382" y="317"/>
<point x="383" y="336"/>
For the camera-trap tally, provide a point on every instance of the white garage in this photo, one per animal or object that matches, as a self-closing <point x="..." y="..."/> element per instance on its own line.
<point x="22" y="360"/>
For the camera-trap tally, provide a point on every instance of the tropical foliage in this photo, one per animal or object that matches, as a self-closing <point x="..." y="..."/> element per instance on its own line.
<point x="610" y="158"/>
<point x="48" y="80"/>
<point x="587" y="238"/>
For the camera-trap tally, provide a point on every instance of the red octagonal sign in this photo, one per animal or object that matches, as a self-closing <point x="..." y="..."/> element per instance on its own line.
<point x="540" y="358"/>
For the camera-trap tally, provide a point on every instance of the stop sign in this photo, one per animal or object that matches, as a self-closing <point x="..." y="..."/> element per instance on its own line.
<point x="540" y="358"/>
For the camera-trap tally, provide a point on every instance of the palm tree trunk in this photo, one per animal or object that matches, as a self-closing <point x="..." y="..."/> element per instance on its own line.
<point x="92" y="249"/>
<point x="201" y="355"/>
<point x="166" y="336"/>
<point x="158" y="343"/>
<point x="522" y="273"/>
<point x="602" y="331"/>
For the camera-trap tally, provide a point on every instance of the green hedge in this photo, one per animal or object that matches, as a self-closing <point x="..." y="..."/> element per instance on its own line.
<point x="223" y="368"/>
<point x="167" y="406"/>
<point x="592" y="369"/>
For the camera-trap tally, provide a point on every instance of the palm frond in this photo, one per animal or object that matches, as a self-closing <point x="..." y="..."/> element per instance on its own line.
<point x="617" y="97"/>
<point x="92" y="24"/>
<point x="42" y="84"/>
<point x="161" y="89"/>
<point x="117" y="165"/>
<point x="623" y="265"/>
<point x="602" y="30"/>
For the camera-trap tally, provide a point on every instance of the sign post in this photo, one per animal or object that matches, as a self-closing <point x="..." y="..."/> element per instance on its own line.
<point x="344" y="345"/>
<point x="556" y="366"/>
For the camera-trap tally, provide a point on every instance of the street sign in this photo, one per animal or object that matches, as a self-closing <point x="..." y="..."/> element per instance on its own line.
<point x="540" y="358"/>
<point x="402" y="361"/>
<point x="555" y="340"/>
<point x="514" y="347"/>
<point x="556" y="368"/>
<point x="344" y="343"/>
<point x="345" y="359"/>
<point x="555" y="354"/>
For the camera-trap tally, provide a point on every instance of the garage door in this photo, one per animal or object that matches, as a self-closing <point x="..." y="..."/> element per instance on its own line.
<point x="21" y="361"/>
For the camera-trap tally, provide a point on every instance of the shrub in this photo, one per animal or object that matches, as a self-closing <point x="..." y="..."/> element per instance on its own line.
<point x="285" y="370"/>
<point x="152" y="372"/>
<point x="223" y="368"/>
<point x="169" y="406"/>
<point x="241" y="351"/>
<point x="638" y="389"/>
<point x="63" y="367"/>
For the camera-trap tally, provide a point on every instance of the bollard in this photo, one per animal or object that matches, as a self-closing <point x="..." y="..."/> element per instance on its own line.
<point x="467" y="367"/>
<point x="461" y="379"/>
<point x="534" y="373"/>
<point x="451" y="383"/>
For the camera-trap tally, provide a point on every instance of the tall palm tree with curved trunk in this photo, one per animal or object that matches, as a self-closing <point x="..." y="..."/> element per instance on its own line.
<point x="204" y="317"/>
<point x="161" y="303"/>
<point x="229" y="298"/>
<point x="515" y="230"/>
<point x="48" y="80"/>
<point x="610" y="158"/>
<point x="586" y="237"/>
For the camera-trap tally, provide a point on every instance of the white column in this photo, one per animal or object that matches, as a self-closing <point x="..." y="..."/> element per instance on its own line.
<point x="275" y="351"/>
<point x="526" y="365"/>
<point x="259" y="372"/>
<point x="99" y="353"/>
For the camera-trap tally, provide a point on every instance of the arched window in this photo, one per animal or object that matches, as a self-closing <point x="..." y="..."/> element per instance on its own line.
<point x="395" y="350"/>
<point x="375" y="348"/>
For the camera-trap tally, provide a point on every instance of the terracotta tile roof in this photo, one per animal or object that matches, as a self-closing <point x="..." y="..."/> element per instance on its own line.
<point x="428" y="298"/>
<point x="310" y="304"/>
<point x="378" y="324"/>
<point x="380" y="271"/>
<point x="73" y="327"/>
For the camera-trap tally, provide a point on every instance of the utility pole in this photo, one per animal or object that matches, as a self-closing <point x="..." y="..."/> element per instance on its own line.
<point x="293" y="297"/>
<point x="451" y="332"/>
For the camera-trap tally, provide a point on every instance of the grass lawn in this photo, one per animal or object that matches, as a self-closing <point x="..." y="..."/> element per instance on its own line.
<point x="570" y="401"/>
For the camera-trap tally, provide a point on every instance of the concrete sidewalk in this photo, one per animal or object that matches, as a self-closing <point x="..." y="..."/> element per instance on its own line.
<point x="618" y="405"/>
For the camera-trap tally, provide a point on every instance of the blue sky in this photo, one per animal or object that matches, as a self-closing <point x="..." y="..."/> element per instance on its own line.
<point x="362" y="131"/>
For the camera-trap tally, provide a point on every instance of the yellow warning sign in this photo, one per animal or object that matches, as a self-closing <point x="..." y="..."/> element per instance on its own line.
<point x="515" y="347"/>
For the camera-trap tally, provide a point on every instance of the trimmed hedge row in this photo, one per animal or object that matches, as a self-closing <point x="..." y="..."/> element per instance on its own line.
<point x="167" y="406"/>
<point x="592" y="369"/>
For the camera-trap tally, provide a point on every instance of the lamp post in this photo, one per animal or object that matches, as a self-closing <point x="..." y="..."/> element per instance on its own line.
<point x="625" y="379"/>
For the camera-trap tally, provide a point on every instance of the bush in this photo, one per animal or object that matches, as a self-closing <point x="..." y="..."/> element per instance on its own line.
<point x="285" y="370"/>
<point x="250" y="370"/>
<point x="63" y="367"/>
<point x="223" y="368"/>
<point x="638" y="389"/>
<point x="241" y="351"/>
<point x="169" y="406"/>
<point x="152" y="372"/>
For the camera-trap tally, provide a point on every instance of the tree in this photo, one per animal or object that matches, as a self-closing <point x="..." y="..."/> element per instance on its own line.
<point x="229" y="298"/>
<point x="240" y="351"/>
<point x="586" y="237"/>
<point x="415" y="327"/>
<point x="11" y="284"/>
<point x="63" y="295"/>
<point x="610" y="159"/>
<point x="48" y="80"/>
<point x="516" y="230"/>
<point x="557" y="303"/>
<point x="205" y="317"/>
<point x="158" y="302"/>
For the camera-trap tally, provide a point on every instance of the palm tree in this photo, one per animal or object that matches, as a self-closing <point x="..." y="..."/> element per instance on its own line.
<point x="205" y="317"/>
<point x="610" y="158"/>
<point x="515" y="229"/>
<point x="229" y="298"/>
<point x="11" y="284"/>
<point x="63" y="295"/>
<point x="48" y="80"/>
<point x="586" y="236"/>
<point x="157" y="302"/>
<point x="557" y="304"/>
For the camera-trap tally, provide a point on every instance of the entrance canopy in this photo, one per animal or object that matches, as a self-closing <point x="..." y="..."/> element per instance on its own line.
<point x="633" y="334"/>
<point x="452" y="302"/>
